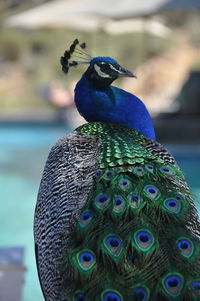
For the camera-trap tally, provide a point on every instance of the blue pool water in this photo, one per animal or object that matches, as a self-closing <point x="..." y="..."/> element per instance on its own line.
<point x="23" y="152"/>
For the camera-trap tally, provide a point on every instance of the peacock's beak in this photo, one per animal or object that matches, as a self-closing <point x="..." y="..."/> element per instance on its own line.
<point x="125" y="72"/>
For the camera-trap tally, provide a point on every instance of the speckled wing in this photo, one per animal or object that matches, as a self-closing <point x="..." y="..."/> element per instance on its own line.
<point x="66" y="182"/>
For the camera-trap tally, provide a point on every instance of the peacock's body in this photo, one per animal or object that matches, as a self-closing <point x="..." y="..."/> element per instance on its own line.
<point x="115" y="219"/>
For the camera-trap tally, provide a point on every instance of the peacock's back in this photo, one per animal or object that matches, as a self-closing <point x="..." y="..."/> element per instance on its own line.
<point x="115" y="220"/>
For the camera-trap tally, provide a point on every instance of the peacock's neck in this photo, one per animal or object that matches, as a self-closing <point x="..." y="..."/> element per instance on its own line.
<point x="114" y="105"/>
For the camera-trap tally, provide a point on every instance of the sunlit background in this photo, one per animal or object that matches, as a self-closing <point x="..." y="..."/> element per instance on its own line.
<point x="157" y="39"/>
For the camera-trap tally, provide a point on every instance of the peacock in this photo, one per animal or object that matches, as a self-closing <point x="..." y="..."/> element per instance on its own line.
<point x="115" y="219"/>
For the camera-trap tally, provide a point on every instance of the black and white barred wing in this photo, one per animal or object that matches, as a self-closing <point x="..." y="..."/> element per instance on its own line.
<point x="66" y="182"/>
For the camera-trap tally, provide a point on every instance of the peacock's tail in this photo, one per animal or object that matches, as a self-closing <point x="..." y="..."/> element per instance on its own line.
<point x="137" y="237"/>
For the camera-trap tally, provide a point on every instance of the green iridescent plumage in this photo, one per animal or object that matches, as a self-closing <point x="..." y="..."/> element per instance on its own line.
<point x="138" y="232"/>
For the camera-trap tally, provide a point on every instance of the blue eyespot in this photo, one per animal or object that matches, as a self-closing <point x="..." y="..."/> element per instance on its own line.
<point x="99" y="173"/>
<point x="165" y="169"/>
<point x="172" y="205"/>
<point x="124" y="184"/>
<point x="86" y="260"/>
<point x="119" y="205"/>
<point x="86" y="257"/>
<point x="185" y="247"/>
<point x="149" y="168"/>
<point x="152" y="192"/>
<point x="184" y="244"/>
<point x="168" y="170"/>
<point x="172" y="281"/>
<point x="118" y="201"/>
<point x="113" y="246"/>
<point x="85" y="219"/>
<point x="113" y="242"/>
<point x="178" y="197"/>
<point x="109" y="174"/>
<point x="111" y="297"/>
<point x="102" y="199"/>
<point x="144" y="237"/>
<point x="80" y="297"/>
<point x="139" y="171"/>
<point x="144" y="240"/>
<point x="86" y="216"/>
<point x="173" y="284"/>
<point x="140" y="294"/>
<point x="134" y="198"/>
<point x="135" y="201"/>
<point x="196" y="286"/>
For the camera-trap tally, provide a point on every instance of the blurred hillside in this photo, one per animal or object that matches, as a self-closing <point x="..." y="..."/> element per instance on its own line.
<point x="29" y="61"/>
<point x="18" y="4"/>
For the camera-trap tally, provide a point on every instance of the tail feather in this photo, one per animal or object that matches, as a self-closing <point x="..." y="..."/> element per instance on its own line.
<point x="137" y="237"/>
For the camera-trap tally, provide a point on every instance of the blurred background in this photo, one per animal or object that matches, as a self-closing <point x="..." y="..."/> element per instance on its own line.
<point x="157" y="39"/>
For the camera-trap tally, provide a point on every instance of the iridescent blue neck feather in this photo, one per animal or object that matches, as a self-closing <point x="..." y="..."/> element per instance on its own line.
<point x="97" y="100"/>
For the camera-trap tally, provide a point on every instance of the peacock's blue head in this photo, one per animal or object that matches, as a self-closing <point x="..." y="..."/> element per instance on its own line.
<point x="96" y="100"/>
<point x="102" y="71"/>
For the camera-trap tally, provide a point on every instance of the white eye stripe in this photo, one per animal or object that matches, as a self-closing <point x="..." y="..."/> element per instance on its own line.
<point x="117" y="70"/>
<point x="101" y="73"/>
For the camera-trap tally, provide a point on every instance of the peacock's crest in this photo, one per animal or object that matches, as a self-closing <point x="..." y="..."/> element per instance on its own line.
<point x="74" y="56"/>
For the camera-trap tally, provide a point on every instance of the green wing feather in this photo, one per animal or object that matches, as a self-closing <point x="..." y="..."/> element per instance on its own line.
<point x="138" y="235"/>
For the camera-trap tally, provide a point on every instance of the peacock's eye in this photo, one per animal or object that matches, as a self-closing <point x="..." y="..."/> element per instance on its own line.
<point x="105" y="67"/>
